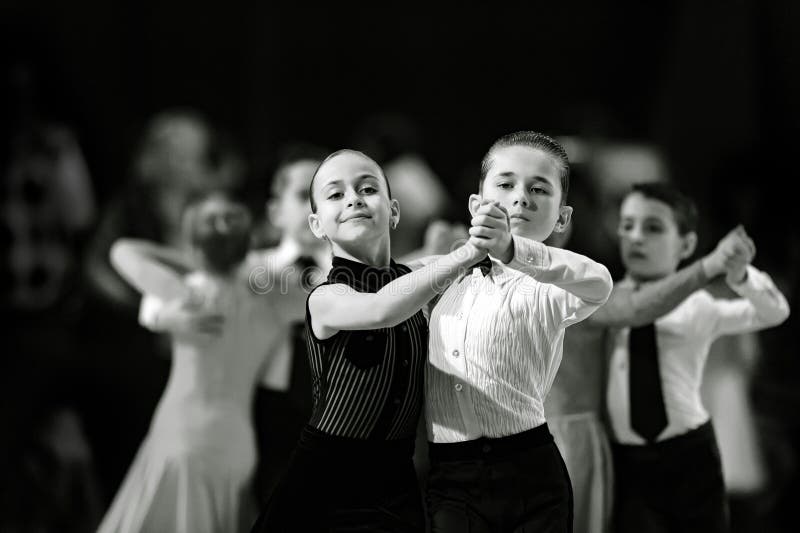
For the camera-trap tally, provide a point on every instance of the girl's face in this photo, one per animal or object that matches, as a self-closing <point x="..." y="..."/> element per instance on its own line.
<point x="650" y="242"/>
<point x="527" y="183"/>
<point x="354" y="210"/>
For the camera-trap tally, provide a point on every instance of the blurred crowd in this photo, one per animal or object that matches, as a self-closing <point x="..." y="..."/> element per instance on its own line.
<point x="81" y="377"/>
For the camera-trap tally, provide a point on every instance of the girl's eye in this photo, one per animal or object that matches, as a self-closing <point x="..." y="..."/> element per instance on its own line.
<point x="654" y="228"/>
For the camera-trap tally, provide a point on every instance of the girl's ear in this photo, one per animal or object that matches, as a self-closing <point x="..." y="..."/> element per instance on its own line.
<point x="564" y="218"/>
<point x="689" y="245"/>
<point x="475" y="201"/>
<point x="394" y="208"/>
<point x="316" y="227"/>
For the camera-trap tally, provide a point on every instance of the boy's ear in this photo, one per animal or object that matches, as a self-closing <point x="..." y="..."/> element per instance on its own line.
<point x="394" y="208"/>
<point x="273" y="212"/>
<point x="564" y="218"/>
<point x="475" y="201"/>
<point x="689" y="245"/>
<point x="316" y="227"/>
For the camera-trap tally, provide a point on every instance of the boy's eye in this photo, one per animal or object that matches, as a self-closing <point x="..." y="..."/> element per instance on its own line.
<point x="539" y="190"/>
<point x="334" y="195"/>
<point x="505" y="186"/>
<point x="654" y="228"/>
<point x="369" y="190"/>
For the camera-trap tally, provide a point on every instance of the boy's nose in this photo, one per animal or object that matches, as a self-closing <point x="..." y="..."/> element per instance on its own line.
<point x="636" y="234"/>
<point x="522" y="200"/>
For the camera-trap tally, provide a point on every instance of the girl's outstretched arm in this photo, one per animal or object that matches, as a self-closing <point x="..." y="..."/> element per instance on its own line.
<point x="340" y="307"/>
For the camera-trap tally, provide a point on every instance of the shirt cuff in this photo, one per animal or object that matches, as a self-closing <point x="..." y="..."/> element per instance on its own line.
<point x="529" y="256"/>
<point x="755" y="281"/>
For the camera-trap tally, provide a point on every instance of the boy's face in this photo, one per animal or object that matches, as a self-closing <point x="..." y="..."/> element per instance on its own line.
<point x="353" y="205"/>
<point x="527" y="183"/>
<point x="289" y="212"/>
<point x="650" y="243"/>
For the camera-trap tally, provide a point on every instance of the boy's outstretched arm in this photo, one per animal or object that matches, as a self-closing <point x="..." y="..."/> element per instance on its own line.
<point x="629" y="307"/>
<point x="578" y="275"/>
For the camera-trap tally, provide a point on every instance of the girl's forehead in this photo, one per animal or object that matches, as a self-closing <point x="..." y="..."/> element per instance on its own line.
<point x="348" y="166"/>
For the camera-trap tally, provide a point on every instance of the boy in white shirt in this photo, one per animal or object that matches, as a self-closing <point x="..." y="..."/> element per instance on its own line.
<point x="495" y="346"/>
<point x="667" y="466"/>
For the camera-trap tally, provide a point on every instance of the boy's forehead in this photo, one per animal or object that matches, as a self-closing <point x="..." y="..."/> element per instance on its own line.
<point x="524" y="161"/>
<point x="637" y="204"/>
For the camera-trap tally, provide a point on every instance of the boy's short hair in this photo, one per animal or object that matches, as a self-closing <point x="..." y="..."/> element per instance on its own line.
<point x="683" y="208"/>
<point x="331" y="156"/>
<point x="538" y="141"/>
<point x="289" y="155"/>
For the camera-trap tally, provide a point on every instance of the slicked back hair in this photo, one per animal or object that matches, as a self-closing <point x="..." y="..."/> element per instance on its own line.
<point x="537" y="141"/>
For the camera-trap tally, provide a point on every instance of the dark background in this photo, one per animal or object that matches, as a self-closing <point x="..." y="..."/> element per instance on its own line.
<point x="713" y="85"/>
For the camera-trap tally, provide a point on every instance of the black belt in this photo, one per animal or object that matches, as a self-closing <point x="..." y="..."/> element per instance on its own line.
<point x="486" y="447"/>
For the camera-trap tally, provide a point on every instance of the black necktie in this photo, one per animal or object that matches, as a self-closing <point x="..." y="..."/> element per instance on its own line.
<point x="648" y="415"/>
<point x="485" y="265"/>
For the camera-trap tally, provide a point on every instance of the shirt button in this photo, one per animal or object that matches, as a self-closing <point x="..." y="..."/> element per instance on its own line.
<point x="455" y="353"/>
<point x="404" y="328"/>
<point x="405" y="362"/>
<point x="369" y="338"/>
<point x="530" y="259"/>
<point x="460" y="316"/>
<point x="459" y="387"/>
<point x="486" y="448"/>
<point x="397" y="401"/>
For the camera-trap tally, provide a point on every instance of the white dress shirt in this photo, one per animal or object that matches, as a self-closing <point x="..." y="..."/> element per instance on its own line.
<point x="496" y="340"/>
<point x="684" y="337"/>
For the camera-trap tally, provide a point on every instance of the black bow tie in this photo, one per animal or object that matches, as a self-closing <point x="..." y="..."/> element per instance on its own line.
<point x="485" y="265"/>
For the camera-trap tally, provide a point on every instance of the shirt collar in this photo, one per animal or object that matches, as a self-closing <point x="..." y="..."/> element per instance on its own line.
<point x="362" y="276"/>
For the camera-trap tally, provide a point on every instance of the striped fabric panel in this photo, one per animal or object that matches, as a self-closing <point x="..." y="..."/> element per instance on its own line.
<point x="352" y="401"/>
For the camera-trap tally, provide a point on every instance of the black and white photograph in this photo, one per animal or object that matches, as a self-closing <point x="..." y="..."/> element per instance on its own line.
<point x="513" y="267"/>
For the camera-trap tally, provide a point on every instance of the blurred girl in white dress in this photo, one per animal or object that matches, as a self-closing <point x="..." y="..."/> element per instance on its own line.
<point x="194" y="468"/>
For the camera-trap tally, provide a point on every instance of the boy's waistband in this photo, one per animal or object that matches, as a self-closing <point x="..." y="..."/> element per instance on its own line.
<point x="485" y="447"/>
<point x="700" y="435"/>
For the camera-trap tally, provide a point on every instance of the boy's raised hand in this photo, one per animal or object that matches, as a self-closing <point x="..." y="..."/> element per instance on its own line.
<point x="742" y="254"/>
<point x="490" y="230"/>
<point x="733" y="250"/>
